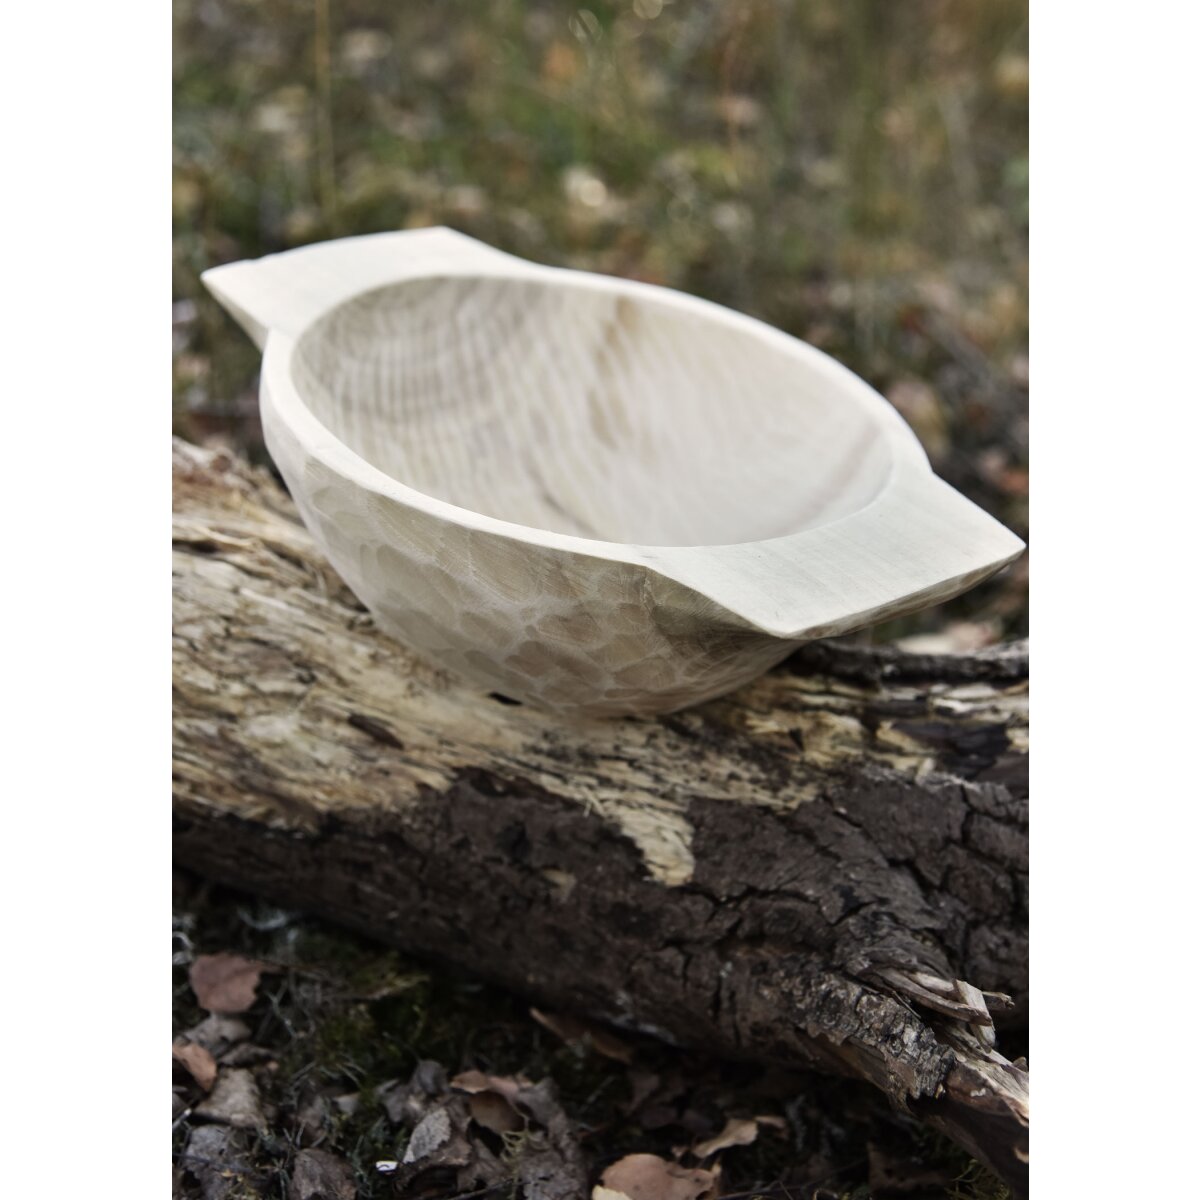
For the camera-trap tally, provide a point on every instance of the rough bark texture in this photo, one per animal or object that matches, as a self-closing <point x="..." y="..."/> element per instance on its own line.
<point x="827" y="868"/>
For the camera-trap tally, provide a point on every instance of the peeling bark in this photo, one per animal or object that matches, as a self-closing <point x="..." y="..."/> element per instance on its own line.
<point x="808" y="871"/>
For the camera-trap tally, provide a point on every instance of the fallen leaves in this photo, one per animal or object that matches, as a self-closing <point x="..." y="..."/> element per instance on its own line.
<point x="225" y="983"/>
<point x="648" y="1177"/>
<point x="197" y="1061"/>
<point x="215" y="1053"/>
<point x="476" y="1130"/>
<point x="738" y="1131"/>
<point x="198" y="1053"/>
<point x="215" y="1159"/>
<point x="577" y="1032"/>
<point x="217" y="1033"/>
<point x="494" y="1112"/>
<point x="234" y="1101"/>
<point x="437" y="1133"/>
<point x="548" y="1160"/>
<point x="407" y="1103"/>
<point x="484" y="1130"/>
<point x="319" y="1175"/>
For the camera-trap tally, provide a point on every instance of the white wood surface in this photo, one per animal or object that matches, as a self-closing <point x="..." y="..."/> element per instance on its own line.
<point x="593" y="494"/>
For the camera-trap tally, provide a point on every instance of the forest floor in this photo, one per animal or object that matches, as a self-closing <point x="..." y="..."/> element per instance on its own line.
<point x="854" y="173"/>
<point x="316" y="1053"/>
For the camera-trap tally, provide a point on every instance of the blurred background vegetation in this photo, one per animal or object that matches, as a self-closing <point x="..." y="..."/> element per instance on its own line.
<point x="851" y="171"/>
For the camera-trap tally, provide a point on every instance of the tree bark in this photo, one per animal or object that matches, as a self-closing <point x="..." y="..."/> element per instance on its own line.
<point x="827" y="868"/>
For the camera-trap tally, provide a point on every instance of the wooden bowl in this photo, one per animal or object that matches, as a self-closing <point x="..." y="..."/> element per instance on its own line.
<point x="595" y="495"/>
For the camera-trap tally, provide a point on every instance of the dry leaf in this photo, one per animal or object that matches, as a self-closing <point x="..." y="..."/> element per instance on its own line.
<point x="406" y="1103"/>
<point x="319" y="1175"/>
<point x="433" y="1132"/>
<point x="476" y="1081"/>
<point x="773" y="1121"/>
<point x="738" y="1131"/>
<point x="494" y="1112"/>
<point x="441" y="1142"/>
<point x="573" y="1030"/>
<point x="217" y="1033"/>
<point x="234" y="1101"/>
<point x="648" y="1177"/>
<point x="215" y="1159"/>
<point x="225" y="983"/>
<point x="198" y="1062"/>
<point x="448" y="1134"/>
<point x="550" y="1165"/>
<point x="498" y="1102"/>
<point x="537" y="1100"/>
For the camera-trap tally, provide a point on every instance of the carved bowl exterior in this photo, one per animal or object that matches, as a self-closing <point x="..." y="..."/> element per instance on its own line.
<point x="590" y="494"/>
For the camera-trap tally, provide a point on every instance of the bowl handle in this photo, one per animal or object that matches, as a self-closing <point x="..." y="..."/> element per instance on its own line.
<point x="920" y="542"/>
<point x="288" y="291"/>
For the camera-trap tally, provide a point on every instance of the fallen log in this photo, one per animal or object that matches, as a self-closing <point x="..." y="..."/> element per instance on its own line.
<point x="826" y="869"/>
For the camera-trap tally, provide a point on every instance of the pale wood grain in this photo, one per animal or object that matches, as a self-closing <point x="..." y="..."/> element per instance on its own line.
<point x="585" y="492"/>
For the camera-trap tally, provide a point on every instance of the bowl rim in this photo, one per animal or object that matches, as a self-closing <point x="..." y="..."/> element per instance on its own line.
<point x="916" y="542"/>
<point x="904" y="450"/>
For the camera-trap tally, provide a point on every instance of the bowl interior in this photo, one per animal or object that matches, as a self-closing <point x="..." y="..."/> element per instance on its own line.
<point x="586" y="411"/>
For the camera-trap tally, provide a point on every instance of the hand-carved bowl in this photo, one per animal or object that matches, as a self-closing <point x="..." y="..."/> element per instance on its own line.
<point x="591" y="494"/>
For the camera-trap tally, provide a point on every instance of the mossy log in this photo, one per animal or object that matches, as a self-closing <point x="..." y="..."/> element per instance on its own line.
<point x="827" y="868"/>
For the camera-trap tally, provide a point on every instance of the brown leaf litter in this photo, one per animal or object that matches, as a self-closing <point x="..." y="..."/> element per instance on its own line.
<point x="197" y="1061"/>
<point x="234" y="1101"/>
<point x="578" y="1032"/>
<point x="648" y="1177"/>
<point x="217" y="1033"/>
<point x="319" y="1175"/>
<point x="738" y="1131"/>
<point x="215" y="1159"/>
<point x="225" y="983"/>
<point x="481" y="1130"/>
